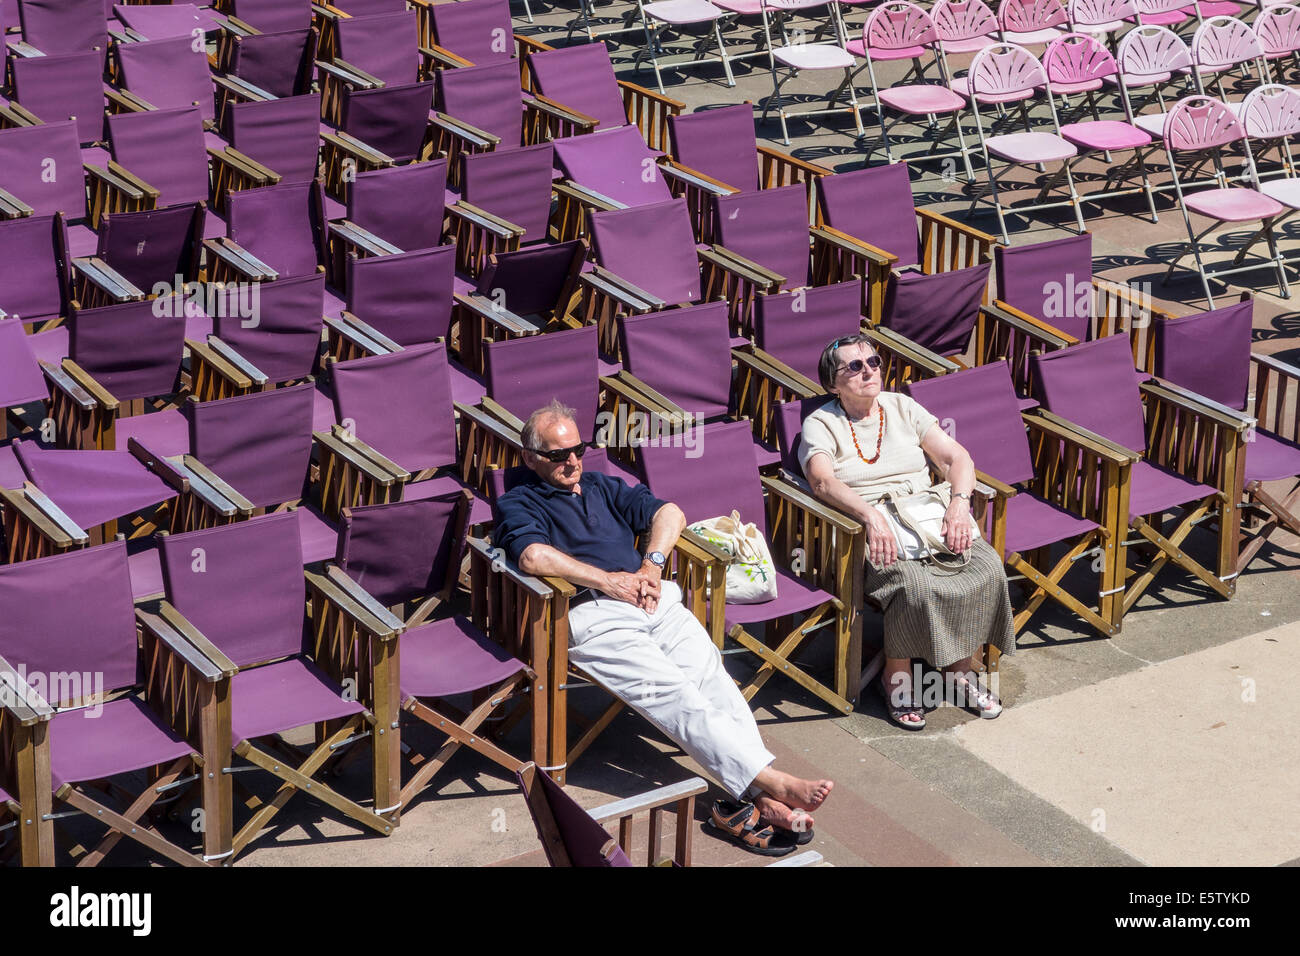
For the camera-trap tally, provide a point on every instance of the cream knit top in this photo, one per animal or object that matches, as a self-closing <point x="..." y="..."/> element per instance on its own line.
<point x="902" y="464"/>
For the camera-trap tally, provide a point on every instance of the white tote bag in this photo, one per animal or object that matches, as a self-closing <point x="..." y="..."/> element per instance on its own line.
<point x="751" y="576"/>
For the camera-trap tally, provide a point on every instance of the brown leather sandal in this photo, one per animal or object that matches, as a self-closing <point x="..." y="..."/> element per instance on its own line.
<point x="739" y="823"/>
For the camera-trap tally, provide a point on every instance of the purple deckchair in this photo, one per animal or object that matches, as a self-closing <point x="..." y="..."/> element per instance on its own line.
<point x="63" y="86"/>
<point x="696" y="379"/>
<point x="281" y="134"/>
<point x="160" y="21"/>
<point x="795" y="326"/>
<point x="1051" y="281"/>
<point x="382" y="45"/>
<point x="273" y="16"/>
<point x="247" y="596"/>
<point x="370" y="8"/>
<point x="585" y="842"/>
<point x="279" y="62"/>
<point x="391" y="119"/>
<point x="401" y="204"/>
<point x="21" y="381"/>
<point x="719" y="143"/>
<point x="41" y="165"/>
<point x="486" y="97"/>
<point x="937" y="312"/>
<point x="407" y="296"/>
<point x="132" y="349"/>
<point x="512" y="184"/>
<point x="400" y="404"/>
<point x="410" y="550"/>
<point x="651" y="247"/>
<point x="282" y="225"/>
<point x="582" y="78"/>
<point x="525" y="374"/>
<point x="875" y="205"/>
<point x="179" y="172"/>
<point x="769" y="227"/>
<point x="618" y="165"/>
<point x="789" y="433"/>
<point x="64" y="26"/>
<point x="34" y="267"/>
<point x="531" y="281"/>
<point x="153" y="247"/>
<point x="282" y="337"/>
<point x="167" y="74"/>
<point x="72" y="614"/>
<point x="476" y="30"/>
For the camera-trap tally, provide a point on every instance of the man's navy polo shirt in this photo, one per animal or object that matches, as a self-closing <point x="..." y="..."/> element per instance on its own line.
<point x="598" y="527"/>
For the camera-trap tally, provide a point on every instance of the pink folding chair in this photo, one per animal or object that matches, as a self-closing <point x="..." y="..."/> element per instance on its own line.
<point x="1078" y="62"/>
<point x="674" y="15"/>
<point x="1278" y="30"/>
<point x="1161" y="13"/>
<point x="1221" y="44"/>
<point x="794" y="55"/>
<point x="1200" y="125"/>
<point x="1006" y="70"/>
<point x="964" y="26"/>
<point x="1031" y="22"/>
<point x="1100" y="17"/>
<point x="900" y="30"/>
<point x="1150" y="58"/>
<point x="1271" y="114"/>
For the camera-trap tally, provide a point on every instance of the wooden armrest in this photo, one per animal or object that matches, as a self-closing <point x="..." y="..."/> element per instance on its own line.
<point x="435" y="53"/>
<point x="358" y="150"/>
<point x="992" y="486"/>
<point x="23" y="49"/>
<point x="806" y="502"/>
<point x="618" y="288"/>
<point x="183" y="646"/>
<point x="478" y="138"/>
<point x="243" y="89"/>
<point x="1199" y="405"/>
<point x="69" y="386"/>
<point x="15" y="114"/>
<point x="245" y="164"/>
<point x="113" y="284"/>
<point x="361" y="456"/>
<point x="662" y="796"/>
<point x="499" y="315"/>
<point x="751" y="356"/>
<point x="363" y="239"/>
<point x="785" y="159"/>
<point x="196" y="637"/>
<point x="645" y="396"/>
<point x="643" y="92"/>
<point x="1031" y="326"/>
<point x="853" y="245"/>
<point x="559" y="111"/>
<point x="18" y="698"/>
<point x="940" y="219"/>
<point x="1090" y="440"/>
<point x="361" y="596"/>
<point x="502" y="565"/>
<point x="201" y="471"/>
<point x="348" y="73"/>
<point x="692" y="177"/>
<point x="493" y="419"/>
<point x="128" y="102"/>
<point x="485" y="220"/>
<point x="744" y="268"/>
<point x="224" y="352"/>
<point x="364" y="334"/>
<point x="47" y="517"/>
<point x="345" y="602"/>
<point x="704" y="550"/>
<point x="587" y="197"/>
<point x="87" y="382"/>
<point x="11" y="207"/>
<point x="236" y="26"/>
<point x="240" y="259"/>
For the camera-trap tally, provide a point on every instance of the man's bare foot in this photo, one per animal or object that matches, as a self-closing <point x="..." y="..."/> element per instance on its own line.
<point x="773" y="811"/>
<point x="793" y="791"/>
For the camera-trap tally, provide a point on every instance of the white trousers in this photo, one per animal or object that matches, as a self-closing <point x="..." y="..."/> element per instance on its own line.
<point x="665" y="668"/>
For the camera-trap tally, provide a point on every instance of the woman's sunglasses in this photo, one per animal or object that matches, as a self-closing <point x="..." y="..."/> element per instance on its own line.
<point x="558" y="455"/>
<point x="857" y="365"/>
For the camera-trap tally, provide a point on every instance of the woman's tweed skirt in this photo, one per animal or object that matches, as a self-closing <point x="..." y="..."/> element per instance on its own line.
<point x="940" y="615"/>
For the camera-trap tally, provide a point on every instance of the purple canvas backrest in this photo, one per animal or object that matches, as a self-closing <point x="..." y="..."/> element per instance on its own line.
<point x="282" y="134"/>
<point x="41" y="165"/>
<point x="31" y="268"/>
<point x="382" y="45"/>
<point x="582" y="78"/>
<point x="1049" y="280"/>
<point x="179" y="172"/>
<point x="770" y="227"/>
<point x="400" y="405"/>
<point x="525" y="374"/>
<point x="476" y="30"/>
<point x="717" y="475"/>
<point x="939" y="311"/>
<point x="719" y="143"/>
<point x="584" y="839"/>
<point x="1078" y="58"/>
<point x="651" y="247"/>
<point x="241" y="585"/>
<point x="273" y="16"/>
<point x="401" y="204"/>
<point x="133" y="349"/>
<point x="617" y="164"/>
<point x="276" y="62"/>
<point x="404" y="549"/>
<point x="259" y="444"/>
<point x="874" y="205"/>
<point x="275" y="325"/>
<point x="153" y="246"/>
<point x="64" y="26"/>
<point x="63" y="86"/>
<point x="71" y="614"/>
<point x="1093" y="384"/>
<point x="391" y="119"/>
<point x="514" y="184"/>
<point x="21" y="380"/>
<point x="531" y="280"/>
<point x="486" y="97"/>
<point x="408" y="296"/>
<point x="795" y="326"/>
<point x="1208" y="353"/>
<point x="789" y="429"/>
<point x="696" y="379"/>
<point x="167" y="74"/>
<point x="281" y="225"/>
<point x="981" y="403"/>
<point x="1201" y="122"/>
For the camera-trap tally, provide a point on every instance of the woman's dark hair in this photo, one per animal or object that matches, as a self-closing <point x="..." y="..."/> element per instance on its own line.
<point x="828" y="363"/>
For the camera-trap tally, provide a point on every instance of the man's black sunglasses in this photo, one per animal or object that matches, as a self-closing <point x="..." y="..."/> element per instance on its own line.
<point x="557" y="455"/>
<point x="855" y="367"/>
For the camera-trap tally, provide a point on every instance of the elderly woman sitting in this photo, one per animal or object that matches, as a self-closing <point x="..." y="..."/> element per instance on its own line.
<point x="865" y="444"/>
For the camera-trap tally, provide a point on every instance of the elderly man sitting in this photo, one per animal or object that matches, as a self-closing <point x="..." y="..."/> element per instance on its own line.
<point x="629" y="630"/>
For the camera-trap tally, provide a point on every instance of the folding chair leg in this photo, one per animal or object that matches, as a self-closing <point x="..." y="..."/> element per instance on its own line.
<point x="722" y="54"/>
<point x="777" y="659"/>
<point x="458" y="734"/>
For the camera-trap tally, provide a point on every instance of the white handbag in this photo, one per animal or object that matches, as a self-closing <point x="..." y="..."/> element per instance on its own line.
<point x="751" y="576"/>
<point x="917" y="523"/>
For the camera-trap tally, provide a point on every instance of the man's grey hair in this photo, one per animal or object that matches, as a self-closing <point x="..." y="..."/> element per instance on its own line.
<point x="554" y="409"/>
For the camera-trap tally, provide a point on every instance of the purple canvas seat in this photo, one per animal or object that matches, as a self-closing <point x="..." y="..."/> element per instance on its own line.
<point x="512" y="184"/>
<point x="167" y="74"/>
<point x="34" y="268"/>
<point x="158" y="22"/>
<point x="581" y="78"/>
<point x="27" y="156"/>
<point x="402" y="205"/>
<point x="152" y="248"/>
<point x="64" y="26"/>
<point x="72" y="614"/>
<point x="275" y="697"/>
<point x="617" y="165"/>
<point x="282" y="225"/>
<point x="476" y="30"/>
<point x="63" y="86"/>
<point x="21" y="381"/>
<point x="391" y="119"/>
<point x="281" y="134"/>
<point x="382" y="45"/>
<point x="937" y="312"/>
<point x="92" y="488"/>
<point x="769" y="227"/>
<point x="279" y="62"/>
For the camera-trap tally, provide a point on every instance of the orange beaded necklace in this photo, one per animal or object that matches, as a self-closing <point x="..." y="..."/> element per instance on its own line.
<point x="880" y="435"/>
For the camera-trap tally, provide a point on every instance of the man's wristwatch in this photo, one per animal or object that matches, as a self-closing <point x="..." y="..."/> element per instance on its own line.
<point x="657" y="559"/>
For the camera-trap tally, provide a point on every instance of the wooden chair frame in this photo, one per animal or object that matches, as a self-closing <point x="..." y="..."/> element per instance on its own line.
<point x="25" y="821"/>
